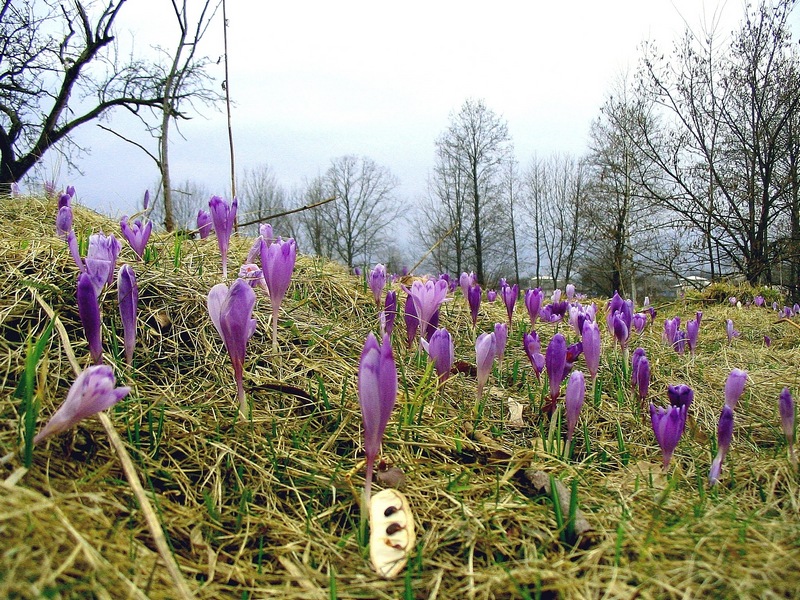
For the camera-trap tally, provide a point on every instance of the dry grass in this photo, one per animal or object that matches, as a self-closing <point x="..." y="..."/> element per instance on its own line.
<point x="268" y="509"/>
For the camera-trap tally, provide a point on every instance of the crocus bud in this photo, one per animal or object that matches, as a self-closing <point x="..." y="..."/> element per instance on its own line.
<point x="724" y="437"/>
<point x="389" y="312"/>
<point x="786" y="408"/>
<point x="377" y="281"/>
<point x="223" y="215"/>
<point x="668" y="425"/>
<point x="128" y="296"/>
<point x="730" y="331"/>
<point x="680" y="395"/>
<point x="89" y="312"/>
<point x="643" y="378"/>
<point x="104" y="247"/>
<point x="411" y="320"/>
<point x="265" y="232"/>
<point x="509" y="294"/>
<point x="137" y="234"/>
<point x="491" y="295"/>
<point x="441" y="351"/>
<point x="277" y="263"/>
<point x="427" y="298"/>
<point x="555" y="358"/>
<point x="570" y="290"/>
<point x="591" y="347"/>
<point x="533" y="303"/>
<point x="474" y="301"/>
<point x="204" y="223"/>
<point x="533" y="351"/>
<point x="501" y="338"/>
<point x="485" y="351"/>
<point x="93" y="391"/>
<point x="64" y="221"/>
<point x="734" y="387"/>
<point x="692" y="329"/>
<point x="377" y="393"/>
<point x="573" y="401"/>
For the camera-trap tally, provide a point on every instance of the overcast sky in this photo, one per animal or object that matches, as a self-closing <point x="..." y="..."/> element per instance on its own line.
<point x="315" y="80"/>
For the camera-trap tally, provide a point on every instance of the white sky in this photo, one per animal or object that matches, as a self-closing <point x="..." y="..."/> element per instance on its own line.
<point x="313" y="80"/>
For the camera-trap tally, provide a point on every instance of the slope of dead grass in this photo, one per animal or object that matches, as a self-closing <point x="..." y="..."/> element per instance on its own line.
<point x="269" y="509"/>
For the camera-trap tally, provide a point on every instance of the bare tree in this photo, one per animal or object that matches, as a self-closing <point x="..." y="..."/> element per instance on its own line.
<point x="365" y="211"/>
<point x="477" y="144"/>
<point x="188" y="198"/>
<point x="314" y="228"/>
<point x="54" y="58"/>
<point x="260" y="197"/>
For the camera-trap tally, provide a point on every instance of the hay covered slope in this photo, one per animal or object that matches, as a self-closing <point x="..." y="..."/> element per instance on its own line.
<point x="269" y="508"/>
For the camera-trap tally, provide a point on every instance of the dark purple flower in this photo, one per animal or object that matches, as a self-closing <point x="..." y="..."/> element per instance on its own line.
<point x="692" y="329"/>
<point x="643" y="378"/>
<point x="204" y="224"/>
<point x="591" y="347"/>
<point x="680" y="395"/>
<point x="533" y="303"/>
<point x="533" y="351"/>
<point x="93" y="391"/>
<point x="767" y="341"/>
<point x="786" y="408"/>
<point x="223" y="216"/>
<point x="145" y="200"/>
<point x="491" y="295"/>
<point x="637" y="355"/>
<point x="389" y="312"/>
<point x="89" y="312"/>
<point x="639" y="321"/>
<point x="724" y="437"/>
<point x="573" y="353"/>
<point x="231" y="311"/>
<point x="411" y="319"/>
<point x="679" y="343"/>
<point x="128" y="296"/>
<point x="377" y="281"/>
<point x="377" y="393"/>
<point x="357" y="271"/>
<point x="555" y="359"/>
<point x="734" y="387"/>
<point x="670" y="328"/>
<point x="441" y="351"/>
<point x="474" y="301"/>
<point x="573" y="401"/>
<point x="137" y="234"/>
<point x="509" y="294"/>
<point x="668" y="425"/>
<point x="621" y="331"/>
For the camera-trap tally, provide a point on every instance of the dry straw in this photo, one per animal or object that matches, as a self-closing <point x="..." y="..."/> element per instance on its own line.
<point x="269" y="508"/>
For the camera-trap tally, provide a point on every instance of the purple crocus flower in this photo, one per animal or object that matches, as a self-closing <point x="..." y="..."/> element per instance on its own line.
<point x="668" y="425"/>
<point x="533" y="303"/>
<point x="474" y="301"/>
<point x="734" y="387"/>
<point x="485" y="351"/>
<point x="643" y="379"/>
<point x="731" y="332"/>
<point x="491" y="295"/>
<point x="692" y="329"/>
<point x="639" y="321"/>
<point x="377" y="281"/>
<point x="591" y="347"/>
<point x="786" y="408"/>
<point x="570" y="290"/>
<point x="277" y="263"/>
<point x="223" y="216"/>
<point x="265" y="233"/>
<point x="64" y="221"/>
<point x="774" y="305"/>
<point x="533" y="349"/>
<point x="427" y="297"/>
<point x="465" y="281"/>
<point x="89" y="312"/>
<point x="128" y="295"/>
<point x="441" y="351"/>
<point x="758" y="301"/>
<point x="252" y="274"/>
<point x="573" y="401"/>
<point x="137" y="234"/>
<point x="733" y="300"/>
<point x="103" y="247"/>
<point x="94" y="390"/>
<point x="389" y="312"/>
<point x="621" y="331"/>
<point x="679" y="343"/>
<point x="231" y="311"/>
<point x="509" y="294"/>
<point x="411" y="319"/>
<point x="767" y="341"/>
<point x="501" y="339"/>
<point x="204" y="224"/>
<point x="377" y="393"/>
<point x="724" y="437"/>
<point x="680" y="395"/>
<point x="670" y="329"/>
<point x="637" y="355"/>
<point x="574" y="352"/>
<point x="555" y="358"/>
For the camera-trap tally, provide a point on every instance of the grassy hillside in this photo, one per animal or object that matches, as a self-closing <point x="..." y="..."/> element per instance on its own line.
<point x="270" y="508"/>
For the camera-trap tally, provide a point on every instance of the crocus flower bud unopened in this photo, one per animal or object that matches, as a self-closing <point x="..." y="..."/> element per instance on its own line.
<point x="680" y="395"/>
<point x="474" y="301"/>
<point x="734" y="387"/>
<point x="204" y="224"/>
<point x="223" y="215"/>
<point x="128" y="296"/>
<point x="668" y="425"/>
<point x="441" y="351"/>
<point x="501" y="338"/>
<point x="377" y="281"/>
<point x="93" y="391"/>
<point x="591" y="347"/>
<point x="485" y="351"/>
<point x="64" y="221"/>
<point x="724" y="437"/>
<point x="89" y="312"/>
<point x="533" y="303"/>
<point x="573" y="401"/>
<point x="137" y="234"/>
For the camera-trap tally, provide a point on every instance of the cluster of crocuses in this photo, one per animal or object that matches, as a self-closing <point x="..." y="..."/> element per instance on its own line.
<point x="231" y="308"/>
<point x="786" y="312"/>
<point x="97" y="270"/>
<point x="678" y="338"/>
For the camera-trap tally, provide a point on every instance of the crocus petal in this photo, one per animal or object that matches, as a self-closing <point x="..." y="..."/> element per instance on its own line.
<point x="128" y="295"/>
<point x="591" y="346"/>
<point x="93" y="390"/>
<point x="485" y="351"/>
<point x="89" y="312"/>
<point x="573" y="400"/>
<point x="501" y="338"/>
<point x="555" y="358"/>
<point x="277" y="262"/>
<point x="734" y="387"/>
<point x="377" y="281"/>
<point x="204" y="225"/>
<point x="216" y="296"/>
<point x="786" y="408"/>
<point x="680" y="395"/>
<point x="441" y="351"/>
